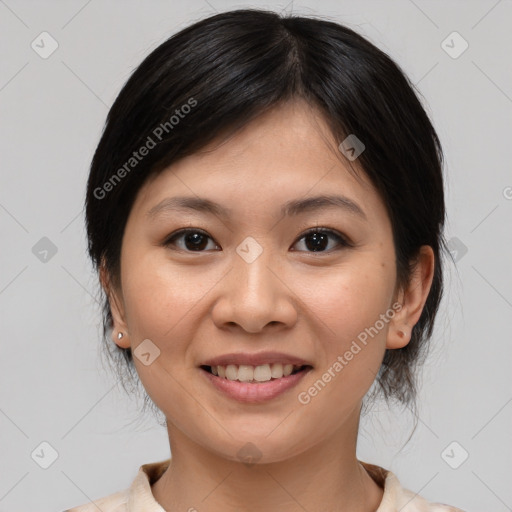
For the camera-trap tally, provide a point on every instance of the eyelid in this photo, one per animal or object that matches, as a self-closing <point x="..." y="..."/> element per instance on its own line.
<point x="184" y="231"/>
<point x="343" y="240"/>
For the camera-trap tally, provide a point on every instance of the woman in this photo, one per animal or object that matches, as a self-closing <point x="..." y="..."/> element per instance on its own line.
<point x="265" y="210"/>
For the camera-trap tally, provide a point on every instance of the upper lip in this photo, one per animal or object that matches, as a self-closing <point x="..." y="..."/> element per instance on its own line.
<point x="257" y="359"/>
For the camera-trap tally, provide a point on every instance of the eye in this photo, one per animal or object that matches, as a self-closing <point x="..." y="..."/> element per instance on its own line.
<point x="196" y="240"/>
<point x="318" y="238"/>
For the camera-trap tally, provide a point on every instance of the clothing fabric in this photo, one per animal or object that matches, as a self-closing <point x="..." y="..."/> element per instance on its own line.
<point x="139" y="498"/>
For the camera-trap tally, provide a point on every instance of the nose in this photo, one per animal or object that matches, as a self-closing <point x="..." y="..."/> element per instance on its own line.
<point x="255" y="294"/>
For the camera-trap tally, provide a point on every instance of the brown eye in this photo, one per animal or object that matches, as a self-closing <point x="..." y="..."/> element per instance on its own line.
<point x="317" y="239"/>
<point x="193" y="240"/>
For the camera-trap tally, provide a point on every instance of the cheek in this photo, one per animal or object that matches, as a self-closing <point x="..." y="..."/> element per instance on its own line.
<point x="159" y="296"/>
<point x="352" y="308"/>
<point x="160" y="306"/>
<point x="349" y="299"/>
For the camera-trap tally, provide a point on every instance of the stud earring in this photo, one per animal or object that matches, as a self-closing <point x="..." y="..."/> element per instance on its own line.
<point x="401" y="333"/>
<point x="119" y="335"/>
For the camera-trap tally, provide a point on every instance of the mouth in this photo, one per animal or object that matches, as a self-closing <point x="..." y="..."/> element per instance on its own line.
<point x="250" y="384"/>
<point x="255" y="374"/>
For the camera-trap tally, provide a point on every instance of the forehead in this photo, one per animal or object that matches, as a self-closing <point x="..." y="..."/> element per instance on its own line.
<point x="283" y="155"/>
<point x="293" y="131"/>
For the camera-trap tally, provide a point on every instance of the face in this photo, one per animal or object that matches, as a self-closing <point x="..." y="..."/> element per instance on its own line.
<point x="270" y="278"/>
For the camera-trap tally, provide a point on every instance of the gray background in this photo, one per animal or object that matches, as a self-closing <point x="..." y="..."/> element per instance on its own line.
<point x="53" y="388"/>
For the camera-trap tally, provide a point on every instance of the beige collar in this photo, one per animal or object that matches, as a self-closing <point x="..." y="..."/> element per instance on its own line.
<point x="395" y="497"/>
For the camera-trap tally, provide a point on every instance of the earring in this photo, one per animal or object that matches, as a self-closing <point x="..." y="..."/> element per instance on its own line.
<point x="401" y="333"/>
<point x="119" y="335"/>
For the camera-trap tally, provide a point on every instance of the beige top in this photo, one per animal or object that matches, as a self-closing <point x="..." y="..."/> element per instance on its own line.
<point x="139" y="498"/>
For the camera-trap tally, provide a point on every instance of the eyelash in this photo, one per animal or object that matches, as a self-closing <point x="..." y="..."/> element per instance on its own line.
<point x="342" y="240"/>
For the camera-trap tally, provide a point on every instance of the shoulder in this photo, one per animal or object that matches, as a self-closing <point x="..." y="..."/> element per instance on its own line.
<point x="116" y="502"/>
<point x="439" y="507"/>
<point x="136" y="497"/>
<point x="408" y="501"/>
<point x="396" y="497"/>
<point x="413" y="502"/>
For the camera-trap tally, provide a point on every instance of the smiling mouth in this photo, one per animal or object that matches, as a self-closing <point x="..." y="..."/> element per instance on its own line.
<point x="254" y="374"/>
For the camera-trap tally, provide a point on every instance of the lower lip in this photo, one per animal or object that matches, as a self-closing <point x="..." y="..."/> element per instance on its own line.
<point x="258" y="392"/>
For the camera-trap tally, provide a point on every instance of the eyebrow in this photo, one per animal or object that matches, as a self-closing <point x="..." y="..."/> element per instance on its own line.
<point x="290" y="208"/>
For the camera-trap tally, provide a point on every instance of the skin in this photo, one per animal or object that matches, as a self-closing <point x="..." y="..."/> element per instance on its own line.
<point x="197" y="305"/>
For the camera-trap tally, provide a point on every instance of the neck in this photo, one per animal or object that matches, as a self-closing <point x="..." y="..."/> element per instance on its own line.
<point x="325" y="477"/>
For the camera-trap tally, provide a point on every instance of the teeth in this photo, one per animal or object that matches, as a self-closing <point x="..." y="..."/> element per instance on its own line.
<point x="262" y="373"/>
<point x="287" y="369"/>
<point x="248" y="373"/>
<point x="231" y="372"/>
<point x="245" y="373"/>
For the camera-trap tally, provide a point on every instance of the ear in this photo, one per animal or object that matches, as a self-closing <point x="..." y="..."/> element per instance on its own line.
<point x="412" y="299"/>
<point x="116" y="308"/>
